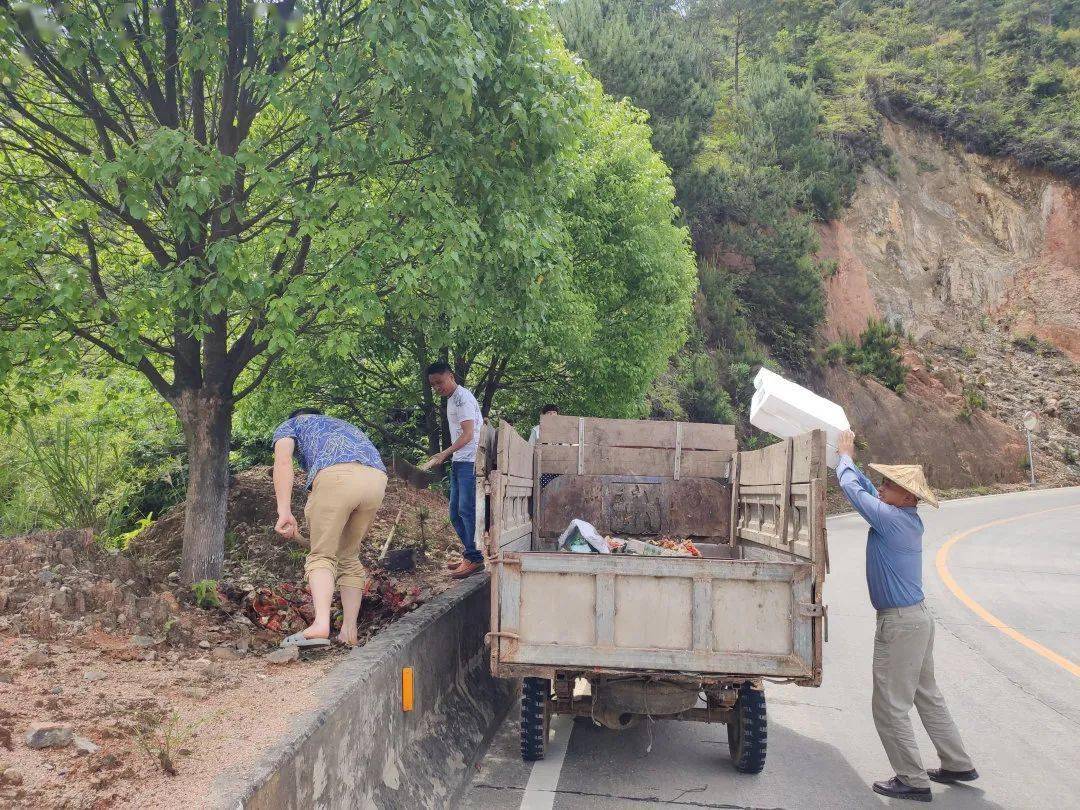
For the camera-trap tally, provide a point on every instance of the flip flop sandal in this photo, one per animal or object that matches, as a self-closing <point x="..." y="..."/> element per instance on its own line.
<point x="298" y="640"/>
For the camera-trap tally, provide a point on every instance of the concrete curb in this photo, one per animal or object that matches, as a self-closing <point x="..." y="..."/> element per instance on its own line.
<point x="358" y="749"/>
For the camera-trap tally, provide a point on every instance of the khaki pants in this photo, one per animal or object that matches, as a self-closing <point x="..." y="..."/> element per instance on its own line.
<point x="342" y="503"/>
<point x="903" y="675"/>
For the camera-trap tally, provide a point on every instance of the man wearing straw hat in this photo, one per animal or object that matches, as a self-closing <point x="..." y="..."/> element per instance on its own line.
<point x="904" y="641"/>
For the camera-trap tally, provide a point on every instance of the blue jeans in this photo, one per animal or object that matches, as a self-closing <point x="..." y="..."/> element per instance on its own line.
<point x="463" y="507"/>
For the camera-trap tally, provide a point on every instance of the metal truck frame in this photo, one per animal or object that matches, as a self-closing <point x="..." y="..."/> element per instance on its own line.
<point x="652" y="635"/>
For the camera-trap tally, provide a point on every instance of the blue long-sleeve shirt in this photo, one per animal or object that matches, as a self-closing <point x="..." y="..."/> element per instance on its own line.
<point x="893" y="545"/>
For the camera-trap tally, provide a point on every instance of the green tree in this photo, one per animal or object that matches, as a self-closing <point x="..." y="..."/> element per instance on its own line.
<point x="191" y="189"/>
<point x="591" y="333"/>
<point x="650" y="54"/>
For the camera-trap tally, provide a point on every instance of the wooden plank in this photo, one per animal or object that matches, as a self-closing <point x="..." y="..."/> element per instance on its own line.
<point x="517" y="538"/>
<point x="633" y="565"/>
<point x="654" y="612"/>
<point x="514" y="453"/>
<point x="785" y="493"/>
<point x="766" y="466"/>
<point x="801" y="549"/>
<point x="695" y="507"/>
<point x="690" y="507"/>
<point x="733" y="528"/>
<point x="605" y="610"/>
<point x="643" y="461"/>
<point x="678" y="451"/>
<point x="802" y="626"/>
<point x="703" y="614"/>
<point x="487" y="450"/>
<point x="537" y="497"/>
<point x="509" y="594"/>
<point x="681" y="661"/>
<point x="556" y="429"/>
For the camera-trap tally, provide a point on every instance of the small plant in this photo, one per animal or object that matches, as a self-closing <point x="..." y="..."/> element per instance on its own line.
<point x="1027" y="343"/>
<point x="828" y="268"/>
<point x="120" y="542"/>
<point x="297" y="555"/>
<point x="968" y="353"/>
<point x="1070" y="456"/>
<point x="835" y="353"/>
<point x="924" y="166"/>
<point x="973" y="400"/>
<point x="205" y="592"/>
<point x="984" y="323"/>
<point x="423" y="515"/>
<point x="163" y="738"/>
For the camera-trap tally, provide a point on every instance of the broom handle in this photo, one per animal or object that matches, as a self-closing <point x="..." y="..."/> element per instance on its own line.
<point x="390" y="536"/>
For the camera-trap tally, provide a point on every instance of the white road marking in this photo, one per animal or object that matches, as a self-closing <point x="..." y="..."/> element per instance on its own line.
<point x="544" y="778"/>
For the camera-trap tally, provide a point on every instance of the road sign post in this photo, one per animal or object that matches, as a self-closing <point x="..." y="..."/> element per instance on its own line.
<point x="1031" y="422"/>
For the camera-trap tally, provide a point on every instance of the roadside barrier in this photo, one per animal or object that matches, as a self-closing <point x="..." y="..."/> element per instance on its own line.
<point x="399" y="724"/>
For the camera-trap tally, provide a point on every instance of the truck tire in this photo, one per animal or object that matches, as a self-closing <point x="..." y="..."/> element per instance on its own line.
<point x="534" y="698"/>
<point x="748" y="731"/>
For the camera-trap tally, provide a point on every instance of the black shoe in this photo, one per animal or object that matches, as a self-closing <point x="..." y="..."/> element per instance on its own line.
<point x="945" y="776"/>
<point x="895" y="789"/>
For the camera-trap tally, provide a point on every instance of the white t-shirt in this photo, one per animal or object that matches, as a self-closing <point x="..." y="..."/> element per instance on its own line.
<point x="534" y="435"/>
<point x="460" y="407"/>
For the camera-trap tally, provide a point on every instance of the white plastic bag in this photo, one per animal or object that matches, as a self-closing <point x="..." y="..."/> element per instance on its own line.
<point x="581" y="530"/>
<point x="786" y="409"/>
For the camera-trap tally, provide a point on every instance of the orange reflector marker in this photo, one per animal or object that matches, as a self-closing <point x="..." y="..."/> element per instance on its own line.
<point x="406" y="689"/>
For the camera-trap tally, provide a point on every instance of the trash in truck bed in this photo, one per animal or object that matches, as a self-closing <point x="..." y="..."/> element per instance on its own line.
<point x="581" y="537"/>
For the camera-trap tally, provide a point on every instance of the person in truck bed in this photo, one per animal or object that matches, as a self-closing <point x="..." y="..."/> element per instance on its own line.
<point x="346" y="480"/>
<point x="904" y="641"/>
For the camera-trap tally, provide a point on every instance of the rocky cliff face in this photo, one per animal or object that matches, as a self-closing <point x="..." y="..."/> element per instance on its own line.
<point x="978" y="260"/>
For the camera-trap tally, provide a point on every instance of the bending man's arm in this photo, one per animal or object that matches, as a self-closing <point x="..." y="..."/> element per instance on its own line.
<point x="283" y="486"/>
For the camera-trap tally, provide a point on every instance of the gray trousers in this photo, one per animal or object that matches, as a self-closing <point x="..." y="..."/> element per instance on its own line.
<point x="904" y="675"/>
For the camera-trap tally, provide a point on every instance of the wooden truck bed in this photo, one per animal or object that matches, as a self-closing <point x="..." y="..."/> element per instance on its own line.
<point x="756" y="615"/>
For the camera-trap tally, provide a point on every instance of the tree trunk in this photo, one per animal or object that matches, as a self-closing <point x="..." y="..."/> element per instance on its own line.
<point x="207" y="421"/>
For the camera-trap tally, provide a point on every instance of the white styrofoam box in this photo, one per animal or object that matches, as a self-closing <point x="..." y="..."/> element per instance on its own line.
<point x="786" y="409"/>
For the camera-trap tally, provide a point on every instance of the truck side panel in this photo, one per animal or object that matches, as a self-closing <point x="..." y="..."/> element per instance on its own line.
<point x="681" y="615"/>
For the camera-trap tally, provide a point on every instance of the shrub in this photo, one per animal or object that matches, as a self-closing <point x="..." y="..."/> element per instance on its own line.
<point x="700" y="393"/>
<point x="75" y="469"/>
<point x="877" y="354"/>
<point x="973" y="401"/>
<point x="205" y="592"/>
<point x="1027" y="343"/>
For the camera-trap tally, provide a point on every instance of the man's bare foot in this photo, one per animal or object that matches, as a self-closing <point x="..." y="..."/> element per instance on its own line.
<point x="347" y="637"/>
<point x="317" y="631"/>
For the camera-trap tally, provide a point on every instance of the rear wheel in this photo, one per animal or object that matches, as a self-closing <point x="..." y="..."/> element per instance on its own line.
<point x="748" y="730"/>
<point x="534" y="717"/>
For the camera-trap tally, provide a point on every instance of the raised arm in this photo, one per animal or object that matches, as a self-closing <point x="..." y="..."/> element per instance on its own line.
<point x="858" y="489"/>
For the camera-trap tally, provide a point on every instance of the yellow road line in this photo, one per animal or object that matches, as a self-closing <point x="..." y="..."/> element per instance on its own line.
<point x="942" y="562"/>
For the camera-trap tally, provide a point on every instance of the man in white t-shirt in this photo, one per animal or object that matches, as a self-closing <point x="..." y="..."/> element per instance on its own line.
<point x="464" y="417"/>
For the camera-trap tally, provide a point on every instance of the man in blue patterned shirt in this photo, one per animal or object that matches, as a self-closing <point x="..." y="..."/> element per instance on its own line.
<point x="347" y="480"/>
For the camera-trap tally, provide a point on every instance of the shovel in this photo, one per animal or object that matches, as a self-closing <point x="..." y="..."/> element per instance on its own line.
<point x="414" y="476"/>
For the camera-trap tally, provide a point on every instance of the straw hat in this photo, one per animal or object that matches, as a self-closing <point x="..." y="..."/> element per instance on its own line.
<point x="911" y="478"/>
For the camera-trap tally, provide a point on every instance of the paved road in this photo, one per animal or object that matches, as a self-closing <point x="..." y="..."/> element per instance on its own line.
<point x="1014" y="689"/>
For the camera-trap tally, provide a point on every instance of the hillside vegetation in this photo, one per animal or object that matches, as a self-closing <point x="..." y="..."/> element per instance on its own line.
<point x="766" y="110"/>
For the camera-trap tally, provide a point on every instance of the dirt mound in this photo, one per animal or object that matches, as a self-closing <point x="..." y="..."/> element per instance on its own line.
<point x="149" y="695"/>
